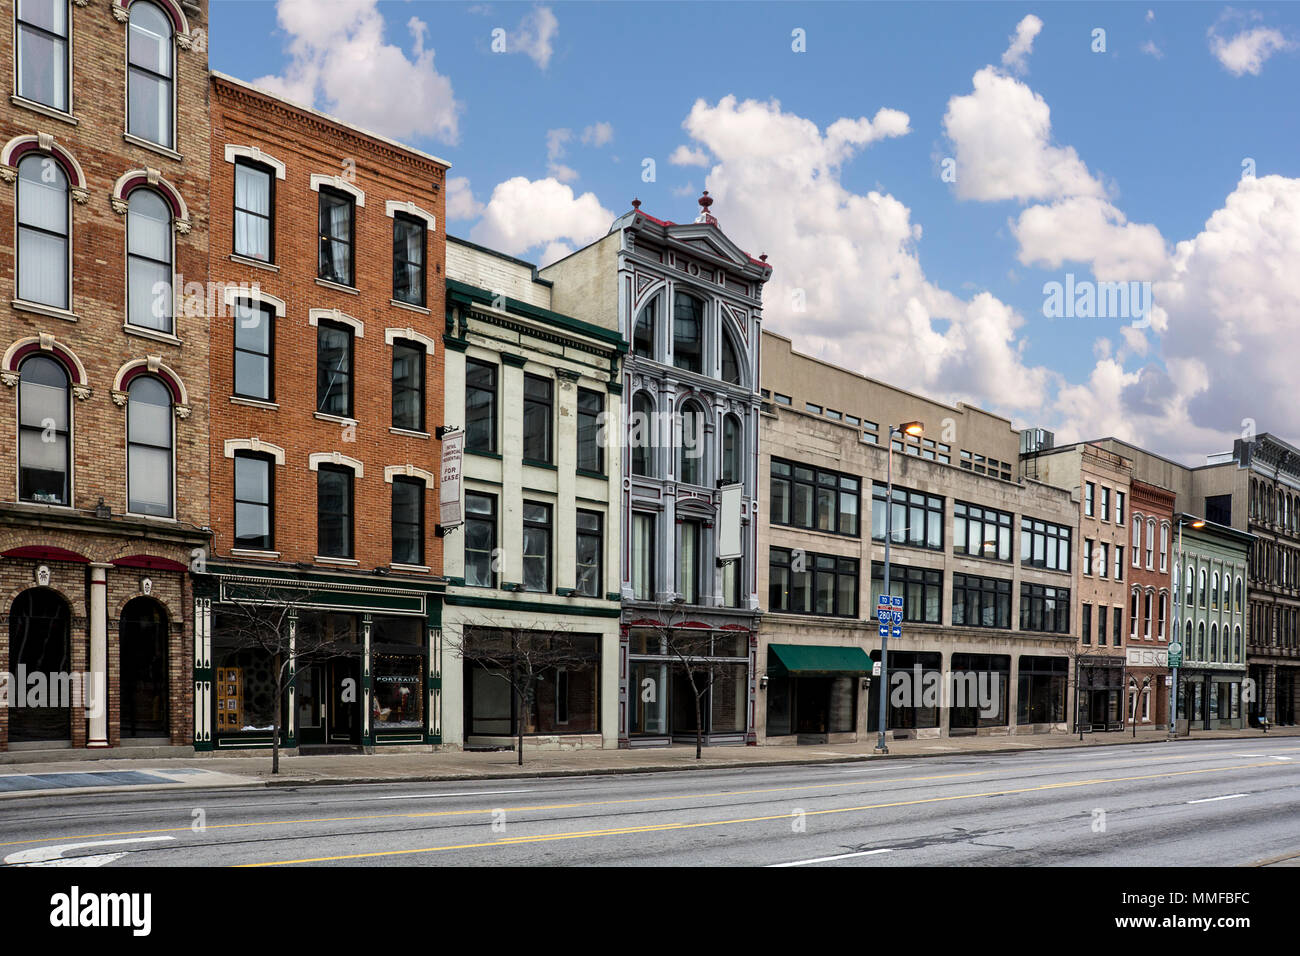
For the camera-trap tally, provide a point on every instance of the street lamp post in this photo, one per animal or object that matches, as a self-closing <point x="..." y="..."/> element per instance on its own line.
<point x="1178" y="621"/>
<point x="908" y="428"/>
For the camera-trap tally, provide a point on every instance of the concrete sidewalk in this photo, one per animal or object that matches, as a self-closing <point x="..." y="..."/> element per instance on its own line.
<point x="223" y="770"/>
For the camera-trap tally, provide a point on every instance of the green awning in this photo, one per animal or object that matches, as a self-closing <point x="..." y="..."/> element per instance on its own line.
<point x="811" y="659"/>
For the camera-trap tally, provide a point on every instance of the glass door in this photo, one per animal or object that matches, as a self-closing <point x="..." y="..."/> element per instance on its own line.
<point x="311" y="704"/>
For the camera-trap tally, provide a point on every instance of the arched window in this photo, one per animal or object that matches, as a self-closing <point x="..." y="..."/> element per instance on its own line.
<point x="1200" y="588"/>
<point x="149" y="100"/>
<point x="39" y="643"/>
<point x="44" y="435"/>
<point x="1236" y="644"/>
<point x="1214" y="642"/>
<point x="733" y="449"/>
<point x="149" y="261"/>
<point x="149" y="447"/>
<point x="43" y="263"/>
<point x="1164" y="614"/>
<point x="1146" y="615"/>
<point x="642" y="434"/>
<point x="688" y="332"/>
<point x="730" y="364"/>
<point x="1189" y="596"/>
<point x="1137" y="540"/>
<point x="691" y="469"/>
<point x="1164" y="547"/>
<point x="643" y="335"/>
<point x="1214" y="591"/>
<point x="1200" y="641"/>
<point x="1237" y="599"/>
<point x="1151" y="542"/>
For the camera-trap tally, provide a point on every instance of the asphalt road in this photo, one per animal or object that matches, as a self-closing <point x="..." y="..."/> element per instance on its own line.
<point x="1212" y="803"/>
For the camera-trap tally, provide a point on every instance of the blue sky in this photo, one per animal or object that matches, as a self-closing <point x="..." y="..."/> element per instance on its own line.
<point x="934" y="285"/>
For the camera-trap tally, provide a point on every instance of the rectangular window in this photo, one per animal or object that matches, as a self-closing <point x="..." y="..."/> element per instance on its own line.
<point x="814" y="498"/>
<point x="1101" y="625"/>
<point x="1133" y="617"/>
<point x="408" y="521"/>
<point x="1089" y="493"/>
<point x="817" y="584"/>
<point x="782" y="399"/>
<point x="590" y="542"/>
<point x="1044" y="609"/>
<point x="1118" y="620"/>
<point x="1103" y="559"/>
<point x="43" y="52"/>
<point x="253" y="525"/>
<point x="254" y="341"/>
<point x="150" y="58"/>
<point x="408" y="385"/>
<point x="688" y="561"/>
<point x="538" y="416"/>
<point x="980" y="602"/>
<point x="1105" y="504"/>
<point x="1164" y="548"/>
<point x="337" y="214"/>
<point x="1119" y="507"/>
<point x="408" y="259"/>
<point x="920" y="588"/>
<point x="1044" y="545"/>
<point x="480" y="406"/>
<point x="334" y="511"/>
<point x="254" y="205"/>
<point x="1085" y="622"/>
<point x="643" y="556"/>
<point x="981" y="532"/>
<point x="591" y="456"/>
<point x="812" y="407"/>
<point x="537" y="546"/>
<point x="480" y="539"/>
<point x="1119" y="562"/>
<point x="916" y="518"/>
<point x="1087" y="555"/>
<point x="334" y="369"/>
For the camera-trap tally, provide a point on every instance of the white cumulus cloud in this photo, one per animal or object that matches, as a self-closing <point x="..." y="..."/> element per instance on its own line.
<point x="1022" y="43"/>
<point x="522" y="214"/>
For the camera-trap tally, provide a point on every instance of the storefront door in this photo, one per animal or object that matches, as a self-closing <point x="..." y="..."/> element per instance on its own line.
<point x="343" y="716"/>
<point x="312" y="704"/>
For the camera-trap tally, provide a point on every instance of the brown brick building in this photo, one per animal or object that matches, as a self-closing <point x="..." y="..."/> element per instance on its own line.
<point x="327" y="383"/>
<point x="103" y="261"/>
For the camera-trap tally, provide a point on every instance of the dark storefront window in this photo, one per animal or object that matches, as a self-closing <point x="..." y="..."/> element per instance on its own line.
<point x="980" y="685"/>
<point x="397" y="666"/>
<point x="564" y="700"/>
<point x="40" y="643"/>
<point x="1043" y="682"/>
<point x="907" y="711"/>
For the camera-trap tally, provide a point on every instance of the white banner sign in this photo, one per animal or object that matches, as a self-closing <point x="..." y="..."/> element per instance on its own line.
<point x="450" y="514"/>
<point x="729" y="521"/>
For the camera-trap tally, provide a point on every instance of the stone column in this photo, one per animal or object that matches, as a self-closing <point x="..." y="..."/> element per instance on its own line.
<point x="98" y="717"/>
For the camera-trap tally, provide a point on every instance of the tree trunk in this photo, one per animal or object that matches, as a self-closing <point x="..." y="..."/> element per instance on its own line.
<point x="519" y="725"/>
<point x="699" y="727"/>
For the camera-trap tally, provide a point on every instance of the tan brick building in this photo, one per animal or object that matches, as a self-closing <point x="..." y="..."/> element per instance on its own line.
<point x="327" y="251"/>
<point x="103" y="262"/>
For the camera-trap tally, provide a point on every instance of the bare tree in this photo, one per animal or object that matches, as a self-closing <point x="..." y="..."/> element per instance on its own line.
<point x="521" y="657"/>
<point x="1078" y="655"/>
<point x="257" y="618"/>
<point x="692" y="649"/>
<point x="1147" y="682"/>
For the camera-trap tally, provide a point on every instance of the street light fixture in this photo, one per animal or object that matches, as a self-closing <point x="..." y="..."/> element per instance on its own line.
<point x="915" y="429"/>
<point x="1178" y="620"/>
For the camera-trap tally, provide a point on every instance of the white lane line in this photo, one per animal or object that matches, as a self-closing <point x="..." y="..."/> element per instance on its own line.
<point x="827" y="859"/>
<point x="468" y="793"/>
<point x="53" y="855"/>
<point x="1231" y="796"/>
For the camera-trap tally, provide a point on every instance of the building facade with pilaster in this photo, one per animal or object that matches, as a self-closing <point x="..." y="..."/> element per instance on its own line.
<point x="103" y="487"/>
<point x="687" y="301"/>
<point x="533" y="568"/>
<point x="325" y="572"/>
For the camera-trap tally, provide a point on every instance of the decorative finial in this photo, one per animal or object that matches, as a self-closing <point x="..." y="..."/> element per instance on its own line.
<point x="763" y="257"/>
<point x="636" y="204"/>
<point x="705" y="216"/>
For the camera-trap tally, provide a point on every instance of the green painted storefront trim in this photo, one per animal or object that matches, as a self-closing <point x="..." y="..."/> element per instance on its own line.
<point x="455" y="344"/>
<point x="468" y="294"/>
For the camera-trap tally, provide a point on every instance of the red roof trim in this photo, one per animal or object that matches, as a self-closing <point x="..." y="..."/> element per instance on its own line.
<point x="149" y="562"/>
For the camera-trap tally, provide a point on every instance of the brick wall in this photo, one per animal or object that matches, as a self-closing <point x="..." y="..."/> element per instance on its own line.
<point x="308" y="143"/>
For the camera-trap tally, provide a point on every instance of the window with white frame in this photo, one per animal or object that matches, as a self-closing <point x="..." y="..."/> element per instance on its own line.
<point x="150" y="62"/>
<point x="149" y="261"/>
<point x="42" y="47"/>
<point x="1151" y="542"/>
<point x="44" y="227"/>
<point x="149" y="447"/>
<point x="44" y="432"/>
<point x="1164" y="547"/>
<point x="1137" y="540"/>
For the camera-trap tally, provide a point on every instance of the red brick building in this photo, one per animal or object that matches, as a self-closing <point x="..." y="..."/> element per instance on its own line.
<point x="1150" y="609"/>
<point x="104" y="165"/>
<point x="327" y="383"/>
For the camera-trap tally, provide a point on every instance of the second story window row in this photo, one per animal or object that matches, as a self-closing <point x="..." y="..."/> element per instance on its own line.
<point x="816" y="499"/>
<point x="917" y="518"/>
